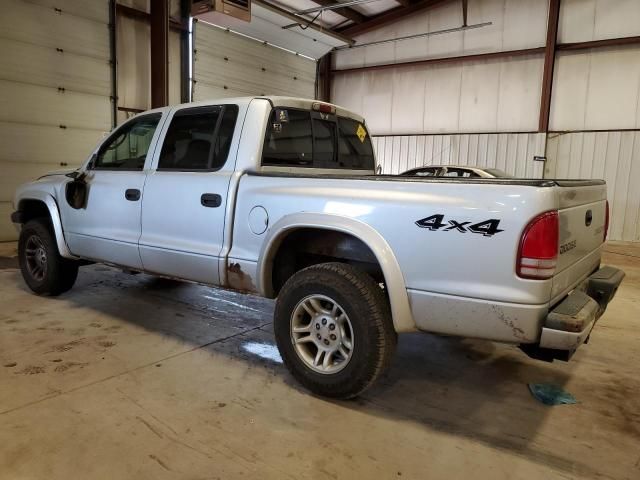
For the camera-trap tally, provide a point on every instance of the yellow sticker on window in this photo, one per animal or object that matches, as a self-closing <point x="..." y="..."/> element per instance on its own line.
<point x="361" y="133"/>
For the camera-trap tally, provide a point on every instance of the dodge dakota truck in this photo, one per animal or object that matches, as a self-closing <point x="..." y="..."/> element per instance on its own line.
<point x="278" y="197"/>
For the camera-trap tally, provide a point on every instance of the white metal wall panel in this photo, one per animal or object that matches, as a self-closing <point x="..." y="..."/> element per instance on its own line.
<point x="134" y="63"/>
<point x="596" y="90"/>
<point x="516" y="24"/>
<point x="36" y="105"/>
<point x="227" y="64"/>
<point x="175" y="83"/>
<point x="585" y="20"/>
<point x="97" y="10"/>
<point x="613" y="156"/>
<point x="78" y="73"/>
<point x="480" y="96"/>
<point x="41" y="25"/>
<point x="511" y="152"/>
<point x="55" y="89"/>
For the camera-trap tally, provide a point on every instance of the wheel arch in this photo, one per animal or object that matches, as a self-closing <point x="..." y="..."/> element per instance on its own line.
<point x="32" y="204"/>
<point x="394" y="279"/>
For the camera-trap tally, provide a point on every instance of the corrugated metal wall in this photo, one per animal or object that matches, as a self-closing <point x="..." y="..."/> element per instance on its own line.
<point x="511" y="152"/>
<point x="596" y="89"/>
<point x="614" y="156"/>
<point x="481" y="96"/>
<point x="55" y="84"/>
<point x="231" y="65"/>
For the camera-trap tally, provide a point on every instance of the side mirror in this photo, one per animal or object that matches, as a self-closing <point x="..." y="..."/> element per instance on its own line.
<point x="77" y="190"/>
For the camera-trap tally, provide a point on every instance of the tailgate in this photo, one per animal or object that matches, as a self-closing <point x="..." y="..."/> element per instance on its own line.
<point x="582" y="215"/>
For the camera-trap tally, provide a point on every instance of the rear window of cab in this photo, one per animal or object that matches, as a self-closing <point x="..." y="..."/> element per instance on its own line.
<point x="301" y="138"/>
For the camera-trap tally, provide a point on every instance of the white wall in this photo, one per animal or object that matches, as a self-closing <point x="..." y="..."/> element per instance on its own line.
<point x="474" y="97"/>
<point x="134" y="60"/>
<point x="585" y="20"/>
<point x="517" y="24"/>
<point x="511" y="152"/>
<point x="613" y="156"/>
<point x="55" y="84"/>
<point x="596" y="89"/>
<point x="227" y="64"/>
<point x="480" y="96"/>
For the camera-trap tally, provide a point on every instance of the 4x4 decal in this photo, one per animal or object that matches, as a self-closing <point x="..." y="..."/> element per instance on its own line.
<point x="487" y="228"/>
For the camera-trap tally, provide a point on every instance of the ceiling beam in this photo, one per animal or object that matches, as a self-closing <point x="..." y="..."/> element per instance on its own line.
<point x="297" y="20"/>
<point x="390" y="16"/>
<point x="346" y="12"/>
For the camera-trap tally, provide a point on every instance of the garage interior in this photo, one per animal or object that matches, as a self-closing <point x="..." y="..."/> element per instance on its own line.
<point x="131" y="376"/>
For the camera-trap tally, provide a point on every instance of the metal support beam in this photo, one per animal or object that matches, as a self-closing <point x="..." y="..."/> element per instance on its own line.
<point x="464" y="12"/>
<point x="609" y="42"/>
<point x="185" y="10"/>
<point x="113" y="60"/>
<point x="549" y="63"/>
<point x="435" y="61"/>
<point x="295" y="19"/>
<point x="346" y="12"/>
<point x="325" y="76"/>
<point x="159" y="23"/>
<point x="131" y="12"/>
<point x="390" y="16"/>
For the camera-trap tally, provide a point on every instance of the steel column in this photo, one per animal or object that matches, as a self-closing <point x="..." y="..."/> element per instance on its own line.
<point x="113" y="60"/>
<point x="159" y="22"/>
<point x="549" y="63"/>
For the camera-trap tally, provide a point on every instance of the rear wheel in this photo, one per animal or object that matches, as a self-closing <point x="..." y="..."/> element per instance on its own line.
<point x="333" y="329"/>
<point x="42" y="267"/>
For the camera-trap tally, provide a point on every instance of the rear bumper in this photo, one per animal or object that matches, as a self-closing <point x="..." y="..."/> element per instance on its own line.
<point x="569" y="324"/>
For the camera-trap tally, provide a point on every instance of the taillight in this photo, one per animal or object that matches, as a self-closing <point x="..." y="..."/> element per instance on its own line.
<point x="538" y="251"/>
<point x="606" y="223"/>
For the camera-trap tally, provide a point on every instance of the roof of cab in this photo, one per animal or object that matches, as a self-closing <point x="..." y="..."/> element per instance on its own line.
<point x="276" y="101"/>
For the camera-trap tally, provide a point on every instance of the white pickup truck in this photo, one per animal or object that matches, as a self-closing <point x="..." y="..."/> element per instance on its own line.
<point x="278" y="197"/>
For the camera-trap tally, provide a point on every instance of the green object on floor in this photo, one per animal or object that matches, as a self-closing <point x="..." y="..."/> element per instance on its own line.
<point x="550" y="394"/>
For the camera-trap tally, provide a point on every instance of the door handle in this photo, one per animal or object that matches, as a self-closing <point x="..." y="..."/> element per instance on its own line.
<point x="132" y="194"/>
<point x="211" y="200"/>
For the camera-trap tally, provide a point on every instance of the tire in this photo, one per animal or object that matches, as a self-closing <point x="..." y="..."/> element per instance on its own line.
<point x="43" y="269"/>
<point x="362" y="321"/>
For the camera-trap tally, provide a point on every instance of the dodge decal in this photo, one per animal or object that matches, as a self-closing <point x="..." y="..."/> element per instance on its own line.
<point x="488" y="228"/>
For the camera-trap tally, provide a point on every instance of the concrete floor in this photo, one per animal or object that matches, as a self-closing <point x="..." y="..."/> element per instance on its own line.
<point x="135" y="377"/>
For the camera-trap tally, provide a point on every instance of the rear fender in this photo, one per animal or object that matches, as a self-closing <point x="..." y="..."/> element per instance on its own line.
<point x="394" y="280"/>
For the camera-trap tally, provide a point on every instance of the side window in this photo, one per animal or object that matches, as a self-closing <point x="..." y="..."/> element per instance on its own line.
<point x="288" y="141"/>
<point x="355" y="150"/>
<point x="324" y="144"/>
<point x="198" y="138"/>
<point x="127" y="147"/>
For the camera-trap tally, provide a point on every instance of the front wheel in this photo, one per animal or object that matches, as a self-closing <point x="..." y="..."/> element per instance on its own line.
<point x="334" y="330"/>
<point x="42" y="267"/>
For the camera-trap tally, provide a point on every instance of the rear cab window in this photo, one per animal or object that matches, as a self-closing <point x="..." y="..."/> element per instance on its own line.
<point x="303" y="138"/>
